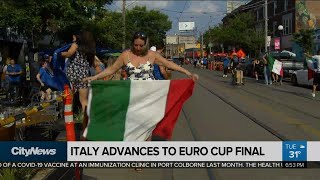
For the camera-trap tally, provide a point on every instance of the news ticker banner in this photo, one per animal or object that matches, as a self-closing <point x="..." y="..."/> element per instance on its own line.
<point x="161" y="154"/>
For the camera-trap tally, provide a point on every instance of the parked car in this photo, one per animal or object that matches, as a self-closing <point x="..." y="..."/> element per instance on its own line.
<point x="300" y="77"/>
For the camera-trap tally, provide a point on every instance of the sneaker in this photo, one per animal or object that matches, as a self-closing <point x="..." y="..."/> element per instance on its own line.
<point x="313" y="95"/>
<point x="226" y="75"/>
<point x="223" y="75"/>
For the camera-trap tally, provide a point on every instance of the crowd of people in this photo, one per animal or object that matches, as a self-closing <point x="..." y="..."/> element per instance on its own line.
<point x="233" y="61"/>
<point x="262" y="67"/>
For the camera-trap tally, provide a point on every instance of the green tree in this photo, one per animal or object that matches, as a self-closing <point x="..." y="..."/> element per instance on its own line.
<point x="152" y="22"/>
<point x="108" y="26"/>
<point x="108" y="29"/>
<point x="238" y="31"/>
<point x="34" y="19"/>
<point x="304" y="38"/>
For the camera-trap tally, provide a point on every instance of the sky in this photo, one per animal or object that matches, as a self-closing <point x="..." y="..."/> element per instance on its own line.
<point x="203" y="13"/>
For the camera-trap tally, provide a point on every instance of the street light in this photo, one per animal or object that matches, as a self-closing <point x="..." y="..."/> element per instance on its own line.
<point x="280" y="28"/>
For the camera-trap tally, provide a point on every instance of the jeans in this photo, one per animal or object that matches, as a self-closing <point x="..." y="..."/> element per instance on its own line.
<point x="267" y="75"/>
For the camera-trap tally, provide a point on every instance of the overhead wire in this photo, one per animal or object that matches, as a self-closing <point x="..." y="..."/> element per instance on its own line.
<point x="182" y="10"/>
<point x="131" y="3"/>
<point x="175" y="11"/>
<point x="255" y="6"/>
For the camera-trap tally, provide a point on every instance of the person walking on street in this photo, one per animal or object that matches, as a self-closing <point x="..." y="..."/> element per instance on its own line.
<point x="266" y="71"/>
<point x="316" y="78"/>
<point x="195" y="63"/>
<point x="226" y="62"/>
<point x="256" y="65"/>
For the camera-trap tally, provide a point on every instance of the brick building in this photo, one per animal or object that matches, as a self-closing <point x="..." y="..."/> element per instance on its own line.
<point x="293" y="15"/>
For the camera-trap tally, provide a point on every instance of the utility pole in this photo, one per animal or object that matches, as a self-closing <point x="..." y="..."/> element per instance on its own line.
<point x="201" y="44"/>
<point x="165" y="43"/>
<point x="124" y="23"/>
<point x="266" y="25"/>
<point x="178" y="46"/>
<point x="210" y="39"/>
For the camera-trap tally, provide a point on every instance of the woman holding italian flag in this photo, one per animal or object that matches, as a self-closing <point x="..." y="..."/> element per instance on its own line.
<point x="139" y="61"/>
<point x="135" y="110"/>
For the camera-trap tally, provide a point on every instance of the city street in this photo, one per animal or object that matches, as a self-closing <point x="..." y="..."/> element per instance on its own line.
<point x="219" y="111"/>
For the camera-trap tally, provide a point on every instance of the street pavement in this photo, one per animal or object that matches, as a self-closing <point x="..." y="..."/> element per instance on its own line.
<point x="220" y="111"/>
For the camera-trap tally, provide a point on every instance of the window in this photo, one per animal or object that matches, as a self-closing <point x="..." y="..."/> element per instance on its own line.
<point x="275" y="27"/>
<point x="287" y="24"/>
<point x="286" y="3"/>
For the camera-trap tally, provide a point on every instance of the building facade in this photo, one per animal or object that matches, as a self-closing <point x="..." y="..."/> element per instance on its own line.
<point x="177" y="44"/>
<point x="293" y="15"/>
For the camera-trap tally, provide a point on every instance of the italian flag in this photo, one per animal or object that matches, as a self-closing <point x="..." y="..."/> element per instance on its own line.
<point x="275" y="66"/>
<point x="312" y="65"/>
<point x="133" y="110"/>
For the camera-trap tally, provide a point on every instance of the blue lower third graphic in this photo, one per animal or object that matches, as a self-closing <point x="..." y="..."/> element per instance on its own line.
<point x="31" y="151"/>
<point x="294" y="151"/>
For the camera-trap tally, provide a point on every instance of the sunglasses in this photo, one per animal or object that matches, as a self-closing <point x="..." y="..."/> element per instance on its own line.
<point x="140" y="35"/>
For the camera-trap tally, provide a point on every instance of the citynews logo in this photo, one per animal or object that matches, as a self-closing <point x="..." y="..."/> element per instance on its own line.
<point x="32" y="151"/>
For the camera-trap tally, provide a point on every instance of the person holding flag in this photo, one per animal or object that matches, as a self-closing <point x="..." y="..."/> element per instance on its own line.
<point x="276" y="67"/>
<point x="140" y="107"/>
<point x="140" y="57"/>
<point x="314" y="71"/>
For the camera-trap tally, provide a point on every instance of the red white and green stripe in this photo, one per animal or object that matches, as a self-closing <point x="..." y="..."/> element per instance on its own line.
<point x="275" y="66"/>
<point x="133" y="110"/>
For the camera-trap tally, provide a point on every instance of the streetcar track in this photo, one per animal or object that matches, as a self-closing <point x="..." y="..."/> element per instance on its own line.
<point x="289" y="107"/>
<point x="253" y="119"/>
<point x="276" y="102"/>
<point x="301" y="95"/>
<point x="312" y="164"/>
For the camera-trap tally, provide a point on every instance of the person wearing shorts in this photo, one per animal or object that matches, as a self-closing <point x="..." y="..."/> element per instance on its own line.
<point x="44" y="77"/>
<point x="316" y="78"/>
